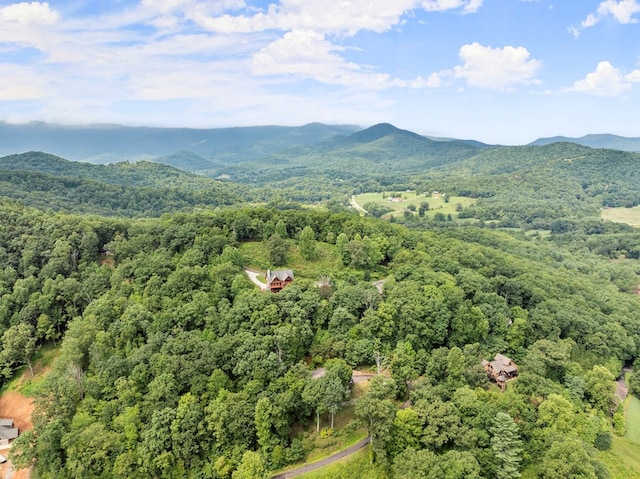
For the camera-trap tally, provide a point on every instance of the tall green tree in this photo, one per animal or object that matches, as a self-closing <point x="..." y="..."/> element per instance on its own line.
<point x="18" y="345"/>
<point x="278" y="250"/>
<point x="568" y="459"/>
<point x="599" y="386"/>
<point x="307" y="243"/>
<point x="507" y="446"/>
<point x="253" y="466"/>
<point x="376" y="412"/>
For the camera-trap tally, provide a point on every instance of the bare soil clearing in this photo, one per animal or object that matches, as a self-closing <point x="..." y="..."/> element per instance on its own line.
<point x="18" y="407"/>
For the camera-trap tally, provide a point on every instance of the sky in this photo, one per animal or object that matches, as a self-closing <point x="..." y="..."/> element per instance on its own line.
<point x="498" y="71"/>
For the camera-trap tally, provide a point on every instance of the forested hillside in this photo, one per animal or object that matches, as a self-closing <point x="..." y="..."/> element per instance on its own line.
<point x="121" y="189"/>
<point x="520" y="186"/>
<point x="532" y="187"/>
<point x="173" y="364"/>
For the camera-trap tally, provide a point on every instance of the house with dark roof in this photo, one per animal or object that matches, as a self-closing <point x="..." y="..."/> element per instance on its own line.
<point x="501" y="369"/>
<point x="277" y="280"/>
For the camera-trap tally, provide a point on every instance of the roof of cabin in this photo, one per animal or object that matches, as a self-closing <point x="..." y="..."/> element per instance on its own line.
<point x="282" y="275"/>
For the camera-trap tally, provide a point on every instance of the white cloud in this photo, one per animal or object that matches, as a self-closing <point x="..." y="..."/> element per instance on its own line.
<point x="623" y="11"/>
<point x="24" y="13"/>
<point x="496" y="68"/>
<point x="435" y="80"/>
<point x="468" y="6"/>
<point x="607" y="80"/>
<point x="633" y="77"/>
<point x="20" y="83"/>
<point x="346" y="17"/>
<point x="93" y="65"/>
<point x="308" y="54"/>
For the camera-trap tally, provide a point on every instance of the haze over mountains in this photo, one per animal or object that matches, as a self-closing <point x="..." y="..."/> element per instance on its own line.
<point x="612" y="142"/>
<point x="113" y="143"/>
<point x="208" y="149"/>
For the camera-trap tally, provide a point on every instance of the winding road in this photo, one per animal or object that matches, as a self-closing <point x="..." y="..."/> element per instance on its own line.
<point x="324" y="462"/>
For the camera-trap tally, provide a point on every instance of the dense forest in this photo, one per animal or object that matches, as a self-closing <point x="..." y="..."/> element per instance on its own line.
<point x="122" y="189"/>
<point x="172" y="363"/>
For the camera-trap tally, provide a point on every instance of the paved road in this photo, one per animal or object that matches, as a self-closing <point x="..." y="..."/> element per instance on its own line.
<point x="326" y="461"/>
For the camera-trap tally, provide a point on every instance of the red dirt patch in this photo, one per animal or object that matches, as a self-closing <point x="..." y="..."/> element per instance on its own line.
<point x="19" y="408"/>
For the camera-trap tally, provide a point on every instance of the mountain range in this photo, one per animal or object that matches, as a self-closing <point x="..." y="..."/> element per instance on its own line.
<point x="203" y="150"/>
<point x="317" y="164"/>
<point x="114" y="143"/>
<point x="612" y="142"/>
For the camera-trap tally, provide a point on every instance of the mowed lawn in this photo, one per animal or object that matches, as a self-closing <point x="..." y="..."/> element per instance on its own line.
<point x="633" y="421"/>
<point x="437" y="204"/>
<point x="623" y="459"/>
<point x="630" y="216"/>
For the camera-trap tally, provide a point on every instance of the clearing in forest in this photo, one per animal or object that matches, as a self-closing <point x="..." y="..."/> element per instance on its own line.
<point x="16" y="404"/>
<point x="630" y="216"/>
<point x="400" y="201"/>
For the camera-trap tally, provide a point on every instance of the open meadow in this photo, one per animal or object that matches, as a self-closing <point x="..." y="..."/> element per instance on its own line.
<point x="399" y="202"/>
<point x="630" y="216"/>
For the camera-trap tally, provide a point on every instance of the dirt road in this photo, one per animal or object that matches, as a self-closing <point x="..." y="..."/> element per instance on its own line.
<point x="356" y="206"/>
<point x="253" y="276"/>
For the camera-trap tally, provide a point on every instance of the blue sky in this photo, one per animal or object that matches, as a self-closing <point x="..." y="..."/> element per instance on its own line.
<point x="499" y="71"/>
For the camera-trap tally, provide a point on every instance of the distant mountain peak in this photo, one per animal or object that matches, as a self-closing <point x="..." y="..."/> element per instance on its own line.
<point x="381" y="130"/>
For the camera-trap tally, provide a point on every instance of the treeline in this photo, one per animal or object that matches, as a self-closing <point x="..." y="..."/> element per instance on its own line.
<point x="172" y="364"/>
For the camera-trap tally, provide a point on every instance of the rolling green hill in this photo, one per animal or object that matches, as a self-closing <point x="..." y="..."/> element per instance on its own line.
<point x="517" y="186"/>
<point x="123" y="189"/>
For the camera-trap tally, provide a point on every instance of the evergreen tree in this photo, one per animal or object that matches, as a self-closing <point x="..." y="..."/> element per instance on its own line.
<point x="277" y="250"/>
<point x="506" y="445"/>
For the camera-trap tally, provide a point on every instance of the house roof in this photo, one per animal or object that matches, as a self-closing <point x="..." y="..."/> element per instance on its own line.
<point x="501" y="364"/>
<point x="8" y="432"/>
<point x="282" y="275"/>
<point x="502" y="359"/>
<point x="4" y="422"/>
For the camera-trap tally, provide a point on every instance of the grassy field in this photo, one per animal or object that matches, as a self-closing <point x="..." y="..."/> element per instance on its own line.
<point x="326" y="261"/>
<point x="437" y="203"/>
<point x="632" y="416"/>
<point x="623" y="459"/>
<point x="630" y="216"/>
<point x="26" y="384"/>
